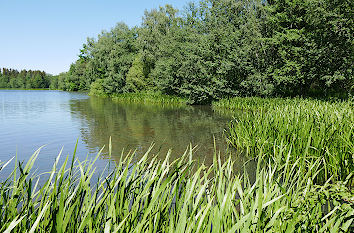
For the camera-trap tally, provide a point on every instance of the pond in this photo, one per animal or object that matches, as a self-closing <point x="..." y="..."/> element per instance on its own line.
<point x="57" y="119"/>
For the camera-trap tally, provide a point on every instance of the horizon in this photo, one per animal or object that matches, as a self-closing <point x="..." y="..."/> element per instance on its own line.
<point x="48" y="36"/>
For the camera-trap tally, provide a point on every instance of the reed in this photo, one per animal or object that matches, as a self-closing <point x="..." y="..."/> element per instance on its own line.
<point x="306" y="129"/>
<point x="149" y="98"/>
<point x="174" y="196"/>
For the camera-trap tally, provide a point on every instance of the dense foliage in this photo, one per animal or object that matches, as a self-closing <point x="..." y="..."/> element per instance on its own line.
<point x="222" y="48"/>
<point x="294" y="129"/>
<point x="11" y="78"/>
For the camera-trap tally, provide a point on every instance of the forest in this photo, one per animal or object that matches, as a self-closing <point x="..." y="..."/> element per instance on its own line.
<point x="215" y="49"/>
<point x="24" y="79"/>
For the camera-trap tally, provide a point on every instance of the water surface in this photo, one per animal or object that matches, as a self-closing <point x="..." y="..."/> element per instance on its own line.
<point x="56" y="119"/>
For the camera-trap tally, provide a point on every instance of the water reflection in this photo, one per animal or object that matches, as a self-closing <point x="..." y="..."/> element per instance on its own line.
<point x="30" y="119"/>
<point x="135" y="127"/>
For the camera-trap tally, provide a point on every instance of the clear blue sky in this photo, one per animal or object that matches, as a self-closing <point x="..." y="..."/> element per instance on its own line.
<point x="47" y="34"/>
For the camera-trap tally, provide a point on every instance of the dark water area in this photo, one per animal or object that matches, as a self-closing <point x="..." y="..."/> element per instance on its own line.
<point x="56" y="119"/>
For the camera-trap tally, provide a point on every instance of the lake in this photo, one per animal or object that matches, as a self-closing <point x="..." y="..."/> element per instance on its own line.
<point x="30" y="119"/>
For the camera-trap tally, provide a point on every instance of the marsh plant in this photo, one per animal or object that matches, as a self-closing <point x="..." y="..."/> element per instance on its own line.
<point x="174" y="196"/>
<point x="308" y="130"/>
<point x="147" y="98"/>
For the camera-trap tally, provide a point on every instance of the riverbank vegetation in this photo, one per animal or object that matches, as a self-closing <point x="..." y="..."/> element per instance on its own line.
<point x="289" y="130"/>
<point x="149" y="98"/>
<point x="175" y="196"/>
<point x="142" y="97"/>
<point x="217" y="49"/>
<point x="24" y="79"/>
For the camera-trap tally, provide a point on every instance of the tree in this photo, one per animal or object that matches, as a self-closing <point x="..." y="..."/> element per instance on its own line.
<point x="222" y="48"/>
<point x="311" y="45"/>
<point x="136" y="77"/>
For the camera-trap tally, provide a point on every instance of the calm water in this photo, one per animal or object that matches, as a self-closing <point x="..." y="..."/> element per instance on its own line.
<point x="30" y="119"/>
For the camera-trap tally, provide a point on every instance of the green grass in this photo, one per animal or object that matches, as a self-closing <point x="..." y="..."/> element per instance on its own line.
<point x="151" y="98"/>
<point x="249" y="103"/>
<point x="306" y="129"/>
<point x="174" y="196"/>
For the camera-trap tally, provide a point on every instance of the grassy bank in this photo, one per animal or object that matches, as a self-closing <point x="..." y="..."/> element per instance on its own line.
<point x="172" y="196"/>
<point x="307" y="130"/>
<point x="145" y="98"/>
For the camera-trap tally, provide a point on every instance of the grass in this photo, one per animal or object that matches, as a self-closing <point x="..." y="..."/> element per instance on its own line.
<point x="171" y="196"/>
<point x="150" y="98"/>
<point x="306" y="129"/>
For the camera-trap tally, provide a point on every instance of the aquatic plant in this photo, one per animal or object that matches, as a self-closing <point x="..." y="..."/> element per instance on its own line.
<point x="306" y="129"/>
<point x="174" y="196"/>
<point x="149" y="98"/>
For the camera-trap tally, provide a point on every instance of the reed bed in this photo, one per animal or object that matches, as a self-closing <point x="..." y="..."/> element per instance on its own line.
<point x="174" y="196"/>
<point x="150" y="98"/>
<point x="306" y="129"/>
<point x="250" y="103"/>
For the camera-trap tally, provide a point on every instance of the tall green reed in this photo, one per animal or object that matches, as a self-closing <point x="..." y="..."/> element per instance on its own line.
<point x="149" y="98"/>
<point x="307" y="129"/>
<point x="174" y="196"/>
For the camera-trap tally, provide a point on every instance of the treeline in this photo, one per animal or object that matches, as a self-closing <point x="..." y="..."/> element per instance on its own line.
<point x="26" y="79"/>
<point x="219" y="48"/>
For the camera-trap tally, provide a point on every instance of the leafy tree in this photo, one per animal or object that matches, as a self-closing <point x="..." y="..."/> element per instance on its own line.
<point x="311" y="45"/>
<point x="136" y="77"/>
<point x="97" y="88"/>
<point x="220" y="48"/>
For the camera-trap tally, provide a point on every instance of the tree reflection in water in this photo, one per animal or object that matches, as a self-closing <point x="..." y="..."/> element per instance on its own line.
<point x="136" y="127"/>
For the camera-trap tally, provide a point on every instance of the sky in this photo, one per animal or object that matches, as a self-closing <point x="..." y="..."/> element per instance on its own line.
<point x="47" y="35"/>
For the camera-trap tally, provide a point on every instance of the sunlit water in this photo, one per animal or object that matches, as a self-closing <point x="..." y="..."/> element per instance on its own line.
<point x="56" y="119"/>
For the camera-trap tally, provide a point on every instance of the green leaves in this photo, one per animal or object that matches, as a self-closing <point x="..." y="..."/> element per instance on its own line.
<point x="288" y="129"/>
<point x="217" y="49"/>
<point x="163" y="196"/>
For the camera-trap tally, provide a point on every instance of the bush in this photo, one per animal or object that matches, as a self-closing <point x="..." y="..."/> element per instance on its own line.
<point x="97" y="88"/>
